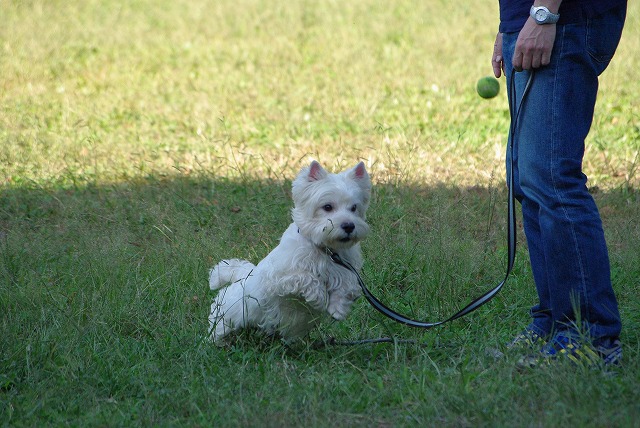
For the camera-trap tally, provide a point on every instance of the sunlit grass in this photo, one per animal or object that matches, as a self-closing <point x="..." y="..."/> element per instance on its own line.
<point x="103" y="93"/>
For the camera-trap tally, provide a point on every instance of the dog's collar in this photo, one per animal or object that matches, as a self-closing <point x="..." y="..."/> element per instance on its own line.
<point x="323" y="248"/>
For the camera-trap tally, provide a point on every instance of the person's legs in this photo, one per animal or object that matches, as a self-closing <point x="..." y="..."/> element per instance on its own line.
<point x="542" y="321"/>
<point x="564" y="232"/>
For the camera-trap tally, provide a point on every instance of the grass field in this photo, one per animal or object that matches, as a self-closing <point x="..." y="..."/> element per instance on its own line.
<point x="141" y="142"/>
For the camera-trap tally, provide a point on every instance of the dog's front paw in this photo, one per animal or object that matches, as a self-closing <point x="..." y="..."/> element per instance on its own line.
<point x="339" y="312"/>
<point x="340" y="303"/>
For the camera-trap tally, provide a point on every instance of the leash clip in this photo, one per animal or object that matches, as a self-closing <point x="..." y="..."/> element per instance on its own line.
<point x="333" y="255"/>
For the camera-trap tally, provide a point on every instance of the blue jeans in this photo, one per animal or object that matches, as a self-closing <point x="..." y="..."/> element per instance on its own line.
<point x="567" y="247"/>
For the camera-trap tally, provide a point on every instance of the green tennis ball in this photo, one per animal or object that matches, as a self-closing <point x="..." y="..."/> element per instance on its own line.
<point x="488" y="87"/>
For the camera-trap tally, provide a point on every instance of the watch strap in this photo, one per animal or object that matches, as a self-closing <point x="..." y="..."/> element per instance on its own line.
<point x="550" y="18"/>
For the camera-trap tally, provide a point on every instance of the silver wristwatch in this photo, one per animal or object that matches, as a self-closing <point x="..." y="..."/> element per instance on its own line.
<point x="542" y="15"/>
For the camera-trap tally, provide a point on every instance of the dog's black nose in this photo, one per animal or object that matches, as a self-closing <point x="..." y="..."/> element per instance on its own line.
<point x="348" y="227"/>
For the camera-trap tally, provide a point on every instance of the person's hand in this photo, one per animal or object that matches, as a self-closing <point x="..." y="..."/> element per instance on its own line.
<point x="534" y="46"/>
<point x="497" y="62"/>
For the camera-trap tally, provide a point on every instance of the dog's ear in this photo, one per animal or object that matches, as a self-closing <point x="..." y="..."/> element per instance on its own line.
<point x="360" y="175"/>
<point x="316" y="172"/>
<point x="360" y="171"/>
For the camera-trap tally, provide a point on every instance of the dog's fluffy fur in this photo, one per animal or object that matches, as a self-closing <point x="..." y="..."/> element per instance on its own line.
<point x="289" y="290"/>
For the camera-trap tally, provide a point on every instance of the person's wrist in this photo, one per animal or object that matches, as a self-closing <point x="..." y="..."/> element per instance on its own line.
<point x="541" y="15"/>
<point x="552" y="5"/>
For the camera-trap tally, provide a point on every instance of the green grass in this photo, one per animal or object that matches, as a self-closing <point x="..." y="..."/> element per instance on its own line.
<point x="142" y="142"/>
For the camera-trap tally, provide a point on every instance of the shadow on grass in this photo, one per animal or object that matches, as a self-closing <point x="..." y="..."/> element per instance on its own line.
<point x="149" y="230"/>
<point x="105" y="287"/>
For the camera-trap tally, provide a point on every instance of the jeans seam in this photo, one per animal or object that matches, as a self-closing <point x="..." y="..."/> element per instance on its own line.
<point x="582" y="291"/>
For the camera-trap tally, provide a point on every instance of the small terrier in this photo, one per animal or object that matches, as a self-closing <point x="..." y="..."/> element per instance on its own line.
<point x="297" y="282"/>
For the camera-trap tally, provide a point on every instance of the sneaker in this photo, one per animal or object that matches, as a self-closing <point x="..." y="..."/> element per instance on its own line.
<point x="527" y="339"/>
<point x="611" y="355"/>
<point x="564" y="346"/>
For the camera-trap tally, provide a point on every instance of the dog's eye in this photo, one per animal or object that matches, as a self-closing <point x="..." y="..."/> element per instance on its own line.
<point x="354" y="208"/>
<point x="328" y="208"/>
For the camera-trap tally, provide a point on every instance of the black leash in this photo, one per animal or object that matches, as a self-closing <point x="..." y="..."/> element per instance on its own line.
<point x="511" y="235"/>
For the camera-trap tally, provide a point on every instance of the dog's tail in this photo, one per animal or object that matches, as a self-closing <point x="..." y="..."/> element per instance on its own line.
<point x="228" y="271"/>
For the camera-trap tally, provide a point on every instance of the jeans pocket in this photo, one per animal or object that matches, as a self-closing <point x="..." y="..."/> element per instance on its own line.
<point x="603" y="35"/>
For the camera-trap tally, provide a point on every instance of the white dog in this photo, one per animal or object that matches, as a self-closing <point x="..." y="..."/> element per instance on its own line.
<point x="289" y="290"/>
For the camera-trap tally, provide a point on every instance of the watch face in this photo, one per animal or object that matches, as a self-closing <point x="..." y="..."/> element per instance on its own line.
<point x="541" y="15"/>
